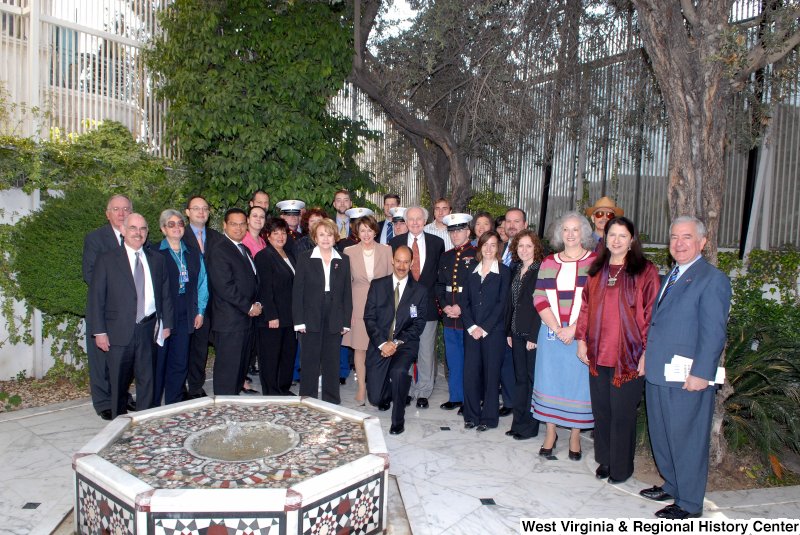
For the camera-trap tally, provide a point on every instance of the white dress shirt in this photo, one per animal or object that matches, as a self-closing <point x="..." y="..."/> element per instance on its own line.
<point x="149" y="296"/>
<point x="420" y="244"/>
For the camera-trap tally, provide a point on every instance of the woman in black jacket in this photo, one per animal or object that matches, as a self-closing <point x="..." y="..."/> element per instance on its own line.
<point x="522" y="326"/>
<point x="322" y="306"/>
<point x="277" y="341"/>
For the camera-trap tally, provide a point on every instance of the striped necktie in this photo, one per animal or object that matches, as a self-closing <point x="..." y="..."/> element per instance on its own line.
<point x="670" y="283"/>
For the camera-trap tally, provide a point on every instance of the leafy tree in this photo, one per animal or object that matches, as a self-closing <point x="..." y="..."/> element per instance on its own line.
<point x="249" y="83"/>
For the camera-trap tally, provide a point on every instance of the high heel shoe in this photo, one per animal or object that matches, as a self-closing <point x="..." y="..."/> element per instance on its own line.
<point x="546" y="452"/>
<point x="575" y="455"/>
<point x="360" y="402"/>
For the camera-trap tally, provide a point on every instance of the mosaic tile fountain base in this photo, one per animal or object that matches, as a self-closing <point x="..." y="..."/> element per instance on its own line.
<point x="150" y="473"/>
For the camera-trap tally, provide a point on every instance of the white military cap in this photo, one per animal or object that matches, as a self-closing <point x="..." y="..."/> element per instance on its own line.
<point x="291" y="207"/>
<point x="457" y="221"/>
<point x="355" y="213"/>
<point x="398" y="213"/>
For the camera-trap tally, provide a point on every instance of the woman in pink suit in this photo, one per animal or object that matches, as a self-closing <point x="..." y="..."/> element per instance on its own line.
<point x="368" y="260"/>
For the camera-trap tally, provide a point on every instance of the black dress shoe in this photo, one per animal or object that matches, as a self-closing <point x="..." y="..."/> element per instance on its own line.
<point x="517" y="436"/>
<point x="397" y="429"/>
<point x="510" y="433"/>
<point x="342" y="380"/>
<point x="408" y="400"/>
<point x="546" y="452"/>
<point x="481" y="428"/>
<point x="248" y="390"/>
<point x="505" y="411"/>
<point x="422" y="403"/>
<point x="461" y="411"/>
<point x="602" y="471"/>
<point x="615" y="481"/>
<point x="469" y="425"/>
<point x="131" y="406"/>
<point x="197" y="395"/>
<point x="450" y="405"/>
<point x="655" y="493"/>
<point x="385" y="406"/>
<point x="674" y="512"/>
<point x="105" y="415"/>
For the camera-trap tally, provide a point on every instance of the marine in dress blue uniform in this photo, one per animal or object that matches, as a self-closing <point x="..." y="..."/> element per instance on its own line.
<point x="454" y="268"/>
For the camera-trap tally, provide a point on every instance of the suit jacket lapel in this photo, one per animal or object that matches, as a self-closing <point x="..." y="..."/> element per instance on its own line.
<point x="124" y="266"/>
<point x="403" y="307"/>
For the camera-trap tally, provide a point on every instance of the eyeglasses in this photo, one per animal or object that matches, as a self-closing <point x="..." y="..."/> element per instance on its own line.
<point x="198" y="208"/>
<point x="173" y="224"/>
<point x="607" y="215"/>
<point x="116" y="209"/>
<point x="137" y="229"/>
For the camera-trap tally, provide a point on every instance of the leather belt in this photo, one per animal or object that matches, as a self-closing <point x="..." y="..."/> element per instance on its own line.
<point x="147" y="318"/>
<point x="457" y="290"/>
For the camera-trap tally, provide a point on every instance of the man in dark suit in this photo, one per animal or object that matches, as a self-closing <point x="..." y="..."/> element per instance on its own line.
<point x="427" y="250"/>
<point x="128" y="296"/>
<point x="394" y="316"/>
<point x="386" y="227"/>
<point x="234" y="303"/>
<point x="95" y="243"/>
<point x="689" y="320"/>
<point x="516" y="220"/>
<point x="199" y="237"/>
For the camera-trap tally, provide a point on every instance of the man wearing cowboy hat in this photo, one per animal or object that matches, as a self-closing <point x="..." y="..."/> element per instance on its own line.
<point x="603" y="210"/>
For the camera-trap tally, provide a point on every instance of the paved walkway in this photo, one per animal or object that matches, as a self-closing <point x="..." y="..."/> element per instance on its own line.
<point x="450" y="480"/>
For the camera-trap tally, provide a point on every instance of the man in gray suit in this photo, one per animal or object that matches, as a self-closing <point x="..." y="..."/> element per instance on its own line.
<point x="689" y="320"/>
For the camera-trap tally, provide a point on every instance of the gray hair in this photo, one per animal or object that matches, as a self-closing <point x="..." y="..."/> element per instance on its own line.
<point x="699" y="225"/>
<point x="166" y="214"/>
<point x="587" y="240"/>
<point x="418" y="207"/>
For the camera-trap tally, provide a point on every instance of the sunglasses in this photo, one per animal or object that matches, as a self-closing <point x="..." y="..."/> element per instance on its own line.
<point x="607" y="215"/>
<point x="173" y="224"/>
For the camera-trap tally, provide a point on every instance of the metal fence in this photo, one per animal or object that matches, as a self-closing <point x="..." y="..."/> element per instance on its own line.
<point x="79" y="62"/>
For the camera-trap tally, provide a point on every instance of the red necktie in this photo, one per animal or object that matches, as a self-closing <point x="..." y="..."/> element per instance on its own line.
<point x="415" y="268"/>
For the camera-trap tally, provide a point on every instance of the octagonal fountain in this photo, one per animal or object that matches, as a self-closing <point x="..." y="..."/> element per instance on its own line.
<point x="230" y="464"/>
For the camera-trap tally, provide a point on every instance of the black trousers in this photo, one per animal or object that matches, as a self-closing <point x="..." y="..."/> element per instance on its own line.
<point x="230" y="365"/>
<point x="276" y="350"/>
<point x="524" y="366"/>
<point x="320" y="351"/>
<point x="99" y="382"/>
<point x="137" y="359"/>
<point x="482" y="362"/>
<point x="198" y="356"/>
<point x="388" y="380"/>
<point x="614" y="410"/>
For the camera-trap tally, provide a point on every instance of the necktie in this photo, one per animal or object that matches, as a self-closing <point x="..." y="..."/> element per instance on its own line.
<point x="672" y="278"/>
<point x="389" y="231"/>
<point x="415" y="267"/>
<point x="507" y="256"/>
<point x="200" y="241"/>
<point x="343" y="230"/>
<point x="138" y="281"/>
<point x="122" y="241"/>
<point x="396" y="303"/>
<point x="246" y="254"/>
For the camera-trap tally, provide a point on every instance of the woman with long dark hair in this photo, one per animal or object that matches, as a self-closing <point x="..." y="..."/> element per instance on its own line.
<point x="612" y="338"/>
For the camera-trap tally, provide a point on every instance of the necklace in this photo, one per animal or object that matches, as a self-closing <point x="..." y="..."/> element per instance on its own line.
<point x="369" y="253"/>
<point x="568" y="257"/>
<point x="612" y="280"/>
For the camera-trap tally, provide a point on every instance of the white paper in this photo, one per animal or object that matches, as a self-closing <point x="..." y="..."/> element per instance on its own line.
<point x="160" y="333"/>
<point x="680" y="367"/>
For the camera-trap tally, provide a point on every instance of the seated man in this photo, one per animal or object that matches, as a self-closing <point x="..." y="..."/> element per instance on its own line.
<point x="395" y="318"/>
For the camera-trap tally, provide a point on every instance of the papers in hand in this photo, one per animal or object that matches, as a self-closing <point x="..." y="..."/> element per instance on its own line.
<point x="680" y="367"/>
<point x="160" y="333"/>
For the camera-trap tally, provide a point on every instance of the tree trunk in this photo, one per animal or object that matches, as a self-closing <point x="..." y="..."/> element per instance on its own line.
<point x="363" y="77"/>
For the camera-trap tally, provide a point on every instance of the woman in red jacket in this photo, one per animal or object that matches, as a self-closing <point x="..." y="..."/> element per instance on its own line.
<point x="612" y="337"/>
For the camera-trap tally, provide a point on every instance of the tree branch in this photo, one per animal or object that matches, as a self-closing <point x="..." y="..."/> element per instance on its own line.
<point x="759" y="57"/>
<point x="689" y="13"/>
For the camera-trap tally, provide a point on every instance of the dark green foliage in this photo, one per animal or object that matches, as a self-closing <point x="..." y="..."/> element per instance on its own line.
<point x="492" y="202"/>
<point x="49" y="248"/>
<point x="763" y="367"/>
<point x="249" y="83"/>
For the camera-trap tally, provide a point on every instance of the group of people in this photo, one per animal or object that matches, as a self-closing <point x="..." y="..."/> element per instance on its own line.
<point x="560" y="338"/>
